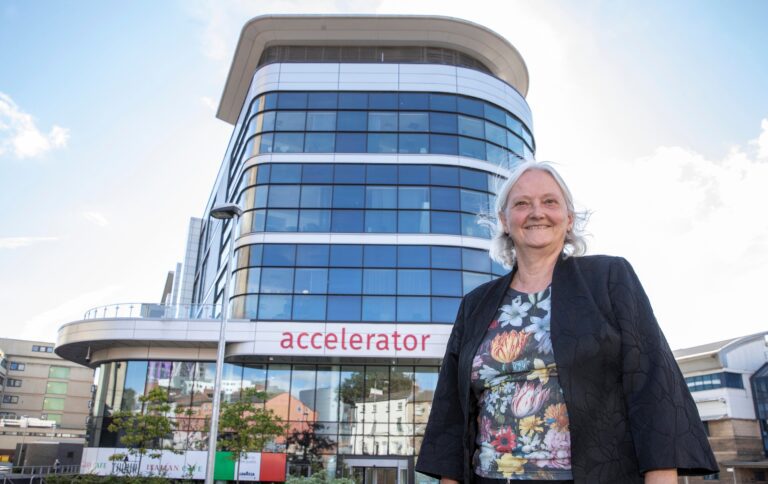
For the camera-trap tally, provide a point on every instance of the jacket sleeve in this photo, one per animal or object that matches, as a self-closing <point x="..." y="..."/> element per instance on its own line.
<point x="665" y="425"/>
<point x="442" y="450"/>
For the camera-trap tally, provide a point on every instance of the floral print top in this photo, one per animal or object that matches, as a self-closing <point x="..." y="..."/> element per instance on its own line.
<point x="522" y="421"/>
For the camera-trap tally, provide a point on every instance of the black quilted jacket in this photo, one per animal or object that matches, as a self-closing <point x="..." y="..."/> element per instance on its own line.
<point x="629" y="408"/>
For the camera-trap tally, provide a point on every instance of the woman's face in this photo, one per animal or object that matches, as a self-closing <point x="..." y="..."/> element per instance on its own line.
<point x="536" y="216"/>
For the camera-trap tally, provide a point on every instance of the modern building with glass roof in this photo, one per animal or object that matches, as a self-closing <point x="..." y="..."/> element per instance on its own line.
<point x="363" y="149"/>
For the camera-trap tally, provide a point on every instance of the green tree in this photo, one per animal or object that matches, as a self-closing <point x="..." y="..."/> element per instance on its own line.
<point x="144" y="433"/>
<point x="247" y="426"/>
<point x="309" y="443"/>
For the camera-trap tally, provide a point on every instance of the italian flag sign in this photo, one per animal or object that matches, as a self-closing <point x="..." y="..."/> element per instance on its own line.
<point x="253" y="466"/>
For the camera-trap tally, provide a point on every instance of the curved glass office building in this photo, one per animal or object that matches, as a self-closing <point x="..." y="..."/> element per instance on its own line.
<point x="364" y="148"/>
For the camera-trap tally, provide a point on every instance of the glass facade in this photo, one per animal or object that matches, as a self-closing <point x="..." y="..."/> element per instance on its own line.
<point x="358" y="409"/>
<point x="714" y="380"/>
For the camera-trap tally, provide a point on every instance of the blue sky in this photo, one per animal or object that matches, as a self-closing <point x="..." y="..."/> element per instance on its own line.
<point x="109" y="143"/>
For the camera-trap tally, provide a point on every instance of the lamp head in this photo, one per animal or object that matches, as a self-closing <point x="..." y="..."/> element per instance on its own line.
<point x="225" y="211"/>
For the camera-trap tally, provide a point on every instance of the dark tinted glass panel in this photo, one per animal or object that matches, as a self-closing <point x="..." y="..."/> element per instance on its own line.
<point x="474" y="179"/>
<point x="413" y="144"/>
<point x="446" y="257"/>
<point x="413" y="281"/>
<point x="350" y="143"/>
<point x="413" y="309"/>
<point x="350" y="173"/>
<point x="312" y="255"/>
<point x="353" y="100"/>
<point x="412" y="256"/>
<point x="379" y="281"/>
<point x="321" y="121"/>
<point x="445" y="223"/>
<point x="379" y="308"/>
<point x="443" y="123"/>
<point x="382" y="121"/>
<point x="347" y="221"/>
<point x="322" y="100"/>
<point x="494" y="114"/>
<point x="279" y="220"/>
<point x="380" y="197"/>
<point x="382" y="143"/>
<point x="311" y="281"/>
<point x="444" y="198"/>
<point x="414" y="101"/>
<point x="446" y="283"/>
<point x="413" y="174"/>
<point x="476" y="260"/>
<point x="471" y="280"/>
<point x="470" y="106"/>
<point x="275" y="307"/>
<point x="266" y="143"/>
<point x="442" y="102"/>
<point x="413" y="222"/>
<point x="279" y="255"/>
<point x="270" y="100"/>
<point x="472" y="201"/>
<point x="290" y="121"/>
<point x="382" y="101"/>
<point x="255" y="255"/>
<point x="276" y="280"/>
<point x="286" y="173"/>
<point x="347" y="255"/>
<point x="259" y="219"/>
<point x="349" y="196"/>
<point x="381" y="221"/>
<point x="320" y="143"/>
<point x="444" y="309"/>
<point x="316" y="196"/>
<point x="384" y="174"/>
<point x="345" y="281"/>
<point x="292" y="100"/>
<point x="262" y="176"/>
<point x="351" y="121"/>
<point x="380" y="256"/>
<point x="495" y="134"/>
<point x="317" y="173"/>
<point x="495" y="154"/>
<point x="469" y="126"/>
<point x="471" y="227"/>
<point x="284" y="196"/>
<point x="414" y="121"/>
<point x="344" y="308"/>
<point x="288" y="143"/>
<point x="444" y="175"/>
<point x="308" y="308"/>
<point x="314" y="221"/>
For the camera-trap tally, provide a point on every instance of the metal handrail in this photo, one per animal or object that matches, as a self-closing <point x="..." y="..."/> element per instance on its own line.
<point x="155" y="311"/>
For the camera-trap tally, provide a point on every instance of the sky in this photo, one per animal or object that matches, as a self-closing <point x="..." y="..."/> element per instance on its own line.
<point x="655" y="112"/>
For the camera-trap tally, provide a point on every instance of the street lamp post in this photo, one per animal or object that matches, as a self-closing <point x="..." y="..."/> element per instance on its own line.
<point x="226" y="211"/>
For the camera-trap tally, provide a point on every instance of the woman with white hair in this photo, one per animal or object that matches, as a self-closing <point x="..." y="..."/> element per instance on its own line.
<point x="558" y="371"/>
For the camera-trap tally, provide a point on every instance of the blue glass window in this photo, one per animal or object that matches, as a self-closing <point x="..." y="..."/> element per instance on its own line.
<point x="380" y="256"/>
<point x="444" y="198"/>
<point x="445" y="223"/>
<point x="471" y="227"/>
<point x="353" y="100"/>
<point x="268" y="121"/>
<point x="314" y="221"/>
<point x="312" y="255"/>
<point x="275" y="307"/>
<point x="262" y="175"/>
<point x="351" y="121"/>
<point x="446" y="257"/>
<point x="349" y="173"/>
<point x="413" y="174"/>
<point x="290" y="121"/>
<point x="382" y="143"/>
<point x="380" y="197"/>
<point x="476" y="260"/>
<point x="474" y="202"/>
<point x="270" y="100"/>
<point x="379" y="308"/>
<point x="513" y="124"/>
<point x="308" y="308"/>
<point x="495" y="154"/>
<point x="382" y="174"/>
<point x="347" y="221"/>
<point x="444" y="309"/>
<point x="472" y="148"/>
<point x="254" y="280"/>
<point x="514" y="143"/>
<point x="259" y="219"/>
<point x="440" y="144"/>
<point x="279" y="220"/>
<point x="442" y="102"/>
<point x="317" y="173"/>
<point x="346" y="255"/>
<point x="445" y="175"/>
<point x="471" y="126"/>
<point x="495" y="134"/>
<point x="254" y="258"/>
<point x="344" y="308"/>
<point x="413" y="222"/>
<point x="443" y="123"/>
<point x="288" y="143"/>
<point x="414" y="121"/>
<point x="470" y="106"/>
<point x="323" y="100"/>
<point x="413" y="309"/>
<point x="382" y="121"/>
<point x="417" y="101"/>
<point x="380" y="221"/>
<point x="319" y="142"/>
<point x="266" y="143"/>
<point x="345" y="281"/>
<point x="378" y="100"/>
<point x="446" y="283"/>
<point x="379" y="281"/>
<point x="471" y="280"/>
<point x="412" y="256"/>
<point x="284" y="196"/>
<point x="321" y="121"/>
<point x="413" y="281"/>
<point x="413" y="197"/>
<point x="250" y="306"/>
<point x="260" y="198"/>
<point x="276" y="280"/>
<point x="279" y="255"/>
<point x="473" y="179"/>
<point x="494" y="114"/>
<point x="316" y="196"/>
<point x="292" y="100"/>
<point x="350" y="143"/>
<point x="286" y="173"/>
<point x="413" y="144"/>
<point x="348" y="196"/>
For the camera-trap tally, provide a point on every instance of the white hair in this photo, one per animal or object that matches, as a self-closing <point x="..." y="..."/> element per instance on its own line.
<point x="502" y="247"/>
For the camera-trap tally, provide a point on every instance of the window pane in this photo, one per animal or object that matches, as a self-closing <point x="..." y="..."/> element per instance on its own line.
<point x="322" y="100"/>
<point x="265" y="146"/>
<point x="262" y="175"/>
<point x="444" y="198"/>
<point x="472" y="148"/>
<point x="288" y="143"/>
<point x="379" y="281"/>
<point x="345" y="281"/>
<point x="380" y="256"/>
<point x="254" y="279"/>
<point x="412" y="256"/>
<point x="311" y="281"/>
<point x="275" y="307"/>
<point x="474" y="202"/>
<point x="414" y="122"/>
<point x="494" y="114"/>
<point x="321" y="121"/>
<point x="413" y="222"/>
<point x="282" y="220"/>
<point x="445" y="223"/>
<point x="476" y="260"/>
<point x="471" y="227"/>
<point x="62" y="372"/>
<point x="471" y="126"/>
<point x="413" y="174"/>
<point x="380" y="197"/>
<point x="351" y="196"/>
<point x="353" y="100"/>
<point x="413" y="197"/>
<point x="413" y="143"/>
<point x="470" y="106"/>
<point x="308" y="308"/>
<point x="260" y="197"/>
<point x="316" y="196"/>
<point x="444" y="309"/>
<point x="343" y="308"/>
<point x="413" y="309"/>
<point x="268" y="121"/>
<point x="446" y="283"/>
<point x="320" y="143"/>
<point x="443" y="144"/>
<point x="53" y="403"/>
<point x="274" y="280"/>
<point x="290" y="121"/>
<point x="382" y="174"/>
<point x="292" y="100"/>
<point x="442" y="102"/>
<point x="284" y="196"/>
<point x="413" y="281"/>
<point x="444" y="175"/>
<point x="312" y="255"/>
<point x="473" y="179"/>
<point x="346" y="255"/>
<point x="56" y="387"/>
<point x="471" y="280"/>
<point x="314" y="221"/>
<point x="327" y="398"/>
<point x="382" y="143"/>
<point x="347" y="221"/>
<point x="317" y="173"/>
<point x="350" y="143"/>
<point x="380" y="221"/>
<point x="286" y="173"/>
<point x="378" y="100"/>
<point x="382" y="121"/>
<point x="495" y="134"/>
<point x="255" y="255"/>
<point x="379" y="308"/>
<point x="414" y="101"/>
<point x="495" y="154"/>
<point x="349" y="173"/>
<point x="279" y="254"/>
<point x="351" y="121"/>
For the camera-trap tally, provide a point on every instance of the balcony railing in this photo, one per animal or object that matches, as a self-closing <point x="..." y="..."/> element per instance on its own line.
<point x="155" y="311"/>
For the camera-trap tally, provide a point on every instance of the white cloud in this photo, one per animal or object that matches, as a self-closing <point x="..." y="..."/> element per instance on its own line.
<point x="208" y="102"/>
<point x="20" y="135"/>
<point x="18" y="242"/>
<point x="762" y="141"/>
<point x="96" y="218"/>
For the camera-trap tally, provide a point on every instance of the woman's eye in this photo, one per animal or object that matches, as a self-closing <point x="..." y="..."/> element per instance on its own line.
<point x="550" y="201"/>
<point x="521" y="203"/>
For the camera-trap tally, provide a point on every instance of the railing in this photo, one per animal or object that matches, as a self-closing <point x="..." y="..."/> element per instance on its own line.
<point x="29" y="474"/>
<point x="155" y="311"/>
